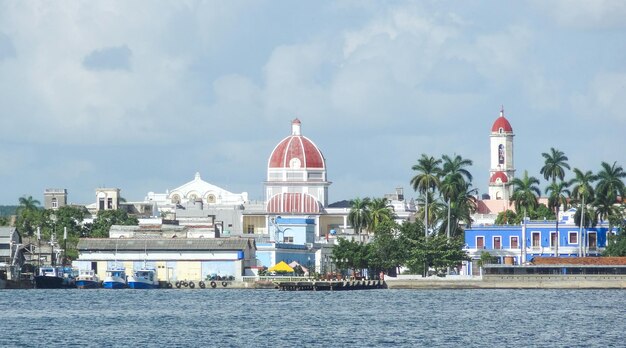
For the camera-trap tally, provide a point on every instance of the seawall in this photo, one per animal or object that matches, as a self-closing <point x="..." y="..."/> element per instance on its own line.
<point x="514" y="282"/>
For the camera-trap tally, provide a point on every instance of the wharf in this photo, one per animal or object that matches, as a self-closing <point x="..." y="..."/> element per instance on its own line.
<point x="331" y="285"/>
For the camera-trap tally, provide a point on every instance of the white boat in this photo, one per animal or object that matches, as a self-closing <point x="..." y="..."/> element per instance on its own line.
<point x="144" y="278"/>
<point x="87" y="279"/>
<point x="115" y="278"/>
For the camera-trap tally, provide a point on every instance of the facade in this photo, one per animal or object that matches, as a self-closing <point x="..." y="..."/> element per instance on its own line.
<point x="175" y="259"/>
<point x="11" y="256"/>
<point x="54" y="198"/>
<point x="501" y="158"/>
<point x="519" y="244"/>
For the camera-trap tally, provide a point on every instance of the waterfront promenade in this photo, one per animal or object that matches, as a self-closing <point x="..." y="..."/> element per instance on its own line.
<point x="511" y="282"/>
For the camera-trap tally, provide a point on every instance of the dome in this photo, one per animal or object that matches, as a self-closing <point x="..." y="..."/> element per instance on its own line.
<point x="296" y="152"/>
<point x="498" y="178"/>
<point x="501" y="123"/>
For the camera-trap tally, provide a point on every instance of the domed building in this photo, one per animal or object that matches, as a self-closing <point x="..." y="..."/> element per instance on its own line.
<point x="296" y="176"/>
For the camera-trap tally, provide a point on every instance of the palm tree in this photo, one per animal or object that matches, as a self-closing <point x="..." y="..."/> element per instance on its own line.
<point x="28" y="203"/>
<point x="582" y="191"/>
<point x="460" y="210"/>
<point x="525" y="192"/>
<point x="555" y="161"/>
<point x="610" y="181"/>
<point x="454" y="175"/>
<point x="426" y="180"/>
<point x="380" y="211"/>
<point x="359" y="215"/>
<point x="558" y="193"/>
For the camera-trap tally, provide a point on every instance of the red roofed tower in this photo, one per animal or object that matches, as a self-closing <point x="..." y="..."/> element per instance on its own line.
<point x="296" y="176"/>
<point x="502" y="168"/>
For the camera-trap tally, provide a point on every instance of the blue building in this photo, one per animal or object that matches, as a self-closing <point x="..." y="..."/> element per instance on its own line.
<point x="517" y="244"/>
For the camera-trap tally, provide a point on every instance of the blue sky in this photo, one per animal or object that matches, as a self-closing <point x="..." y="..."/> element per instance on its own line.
<point x="140" y="95"/>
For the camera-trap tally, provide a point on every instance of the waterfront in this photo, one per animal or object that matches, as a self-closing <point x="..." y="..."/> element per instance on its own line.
<point x="233" y="318"/>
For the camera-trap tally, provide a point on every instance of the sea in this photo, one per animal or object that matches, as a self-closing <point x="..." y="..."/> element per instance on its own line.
<point x="272" y="318"/>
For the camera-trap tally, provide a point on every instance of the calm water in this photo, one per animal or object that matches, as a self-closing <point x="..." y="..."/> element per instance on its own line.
<point x="262" y="318"/>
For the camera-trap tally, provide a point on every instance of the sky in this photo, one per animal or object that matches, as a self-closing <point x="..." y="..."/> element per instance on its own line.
<point x="141" y="95"/>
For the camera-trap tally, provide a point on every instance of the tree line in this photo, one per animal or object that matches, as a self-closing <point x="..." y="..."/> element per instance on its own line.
<point x="33" y="221"/>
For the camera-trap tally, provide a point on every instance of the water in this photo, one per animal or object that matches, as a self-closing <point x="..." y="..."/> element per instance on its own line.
<point x="263" y="318"/>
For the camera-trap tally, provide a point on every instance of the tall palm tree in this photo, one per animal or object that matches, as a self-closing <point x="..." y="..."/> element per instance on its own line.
<point x="610" y="182"/>
<point x="359" y="215"/>
<point x="380" y="211"/>
<point x="582" y="191"/>
<point x="458" y="212"/>
<point x="427" y="180"/>
<point x="558" y="193"/>
<point x="555" y="161"/>
<point x="525" y="192"/>
<point x="454" y="181"/>
<point x="28" y="203"/>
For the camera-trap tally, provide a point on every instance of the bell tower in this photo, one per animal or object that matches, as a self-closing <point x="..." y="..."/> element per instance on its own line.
<point x="502" y="168"/>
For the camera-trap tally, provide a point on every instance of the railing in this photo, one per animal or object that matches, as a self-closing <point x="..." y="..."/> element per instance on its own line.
<point x="250" y="279"/>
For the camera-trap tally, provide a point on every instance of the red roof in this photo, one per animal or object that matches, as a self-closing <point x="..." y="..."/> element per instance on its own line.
<point x="499" y="175"/>
<point x="600" y="261"/>
<point x="502" y="122"/>
<point x="299" y="147"/>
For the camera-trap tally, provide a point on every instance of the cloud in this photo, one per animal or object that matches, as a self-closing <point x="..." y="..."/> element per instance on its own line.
<point x="108" y="58"/>
<point x="584" y="14"/>
<point x="7" y="50"/>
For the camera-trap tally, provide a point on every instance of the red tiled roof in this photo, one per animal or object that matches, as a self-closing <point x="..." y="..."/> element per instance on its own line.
<point x="598" y="261"/>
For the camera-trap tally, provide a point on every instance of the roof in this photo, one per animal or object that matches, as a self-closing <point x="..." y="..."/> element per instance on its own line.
<point x="499" y="175"/>
<point x="282" y="266"/>
<point x="501" y="122"/>
<point x="296" y="152"/>
<point x="595" y="261"/>
<point x="121" y="244"/>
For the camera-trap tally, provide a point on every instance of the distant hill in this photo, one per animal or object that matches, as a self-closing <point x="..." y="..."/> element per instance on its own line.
<point x="8" y="210"/>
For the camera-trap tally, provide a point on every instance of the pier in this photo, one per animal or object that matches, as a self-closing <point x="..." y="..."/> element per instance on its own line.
<point x="331" y="285"/>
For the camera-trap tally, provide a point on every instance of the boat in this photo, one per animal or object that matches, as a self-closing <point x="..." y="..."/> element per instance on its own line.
<point x="87" y="279"/>
<point x="144" y="278"/>
<point x="115" y="278"/>
<point x="50" y="277"/>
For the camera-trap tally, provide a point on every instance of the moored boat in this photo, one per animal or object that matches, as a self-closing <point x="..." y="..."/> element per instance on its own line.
<point x="144" y="278"/>
<point x="50" y="277"/>
<point x="115" y="278"/>
<point x="87" y="279"/>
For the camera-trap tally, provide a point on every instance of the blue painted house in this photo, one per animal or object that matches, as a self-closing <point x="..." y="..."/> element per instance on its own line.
<point x="517" y="244"/>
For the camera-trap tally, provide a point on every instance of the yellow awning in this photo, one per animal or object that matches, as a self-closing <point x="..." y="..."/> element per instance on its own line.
<point x="281" y="267"/>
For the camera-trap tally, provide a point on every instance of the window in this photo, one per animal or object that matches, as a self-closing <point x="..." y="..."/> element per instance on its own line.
<point x="554" y="239"/>
<point x="497" y="242"/>
<point x="536" y="239"/>
<point x="480" y="242"/>
<point x="250" y="229"/>
<point x="54" y="202"/>
<point x="572" y="238"/>
<point x="514" y="242"/>
<point x="593" y="240"/>
<point x="175" y="199"/>
<point x="109" y="203"/>
<point x="101" y="204"/>
<point x="210" y="199"/>
<point x="287" y="239"/>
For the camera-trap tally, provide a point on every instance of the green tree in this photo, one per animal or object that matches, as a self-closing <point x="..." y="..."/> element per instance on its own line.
<point x="69" y="218"/>
<point x="380" y="211"/>
<point x="426" y="180"/>
<point x="107" y="218"/>
<point x="554" y="165"/>
<point x="359" y="216"/>
<point x="458" y="212"/>
<point x="558" y="193"/>
<point x="610" y="182"/>
<point x="525" y="193"/>
<point x="351" y="254"/>
<point x="29" y="216"/>
<point x="582" y="193"/>
<point x="508" y="217"/>
<point x="438" y="252"/>
<point x="385" y="250"/>
<point x="616" y="245"/>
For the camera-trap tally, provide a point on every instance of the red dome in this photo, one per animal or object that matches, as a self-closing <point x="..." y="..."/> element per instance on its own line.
<point x="498" y="175"/>
<point x="296" y="151"/>
<point x="502" y="122"/>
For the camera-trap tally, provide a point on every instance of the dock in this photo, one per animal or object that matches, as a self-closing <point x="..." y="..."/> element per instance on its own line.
<point x="331" y="285"/>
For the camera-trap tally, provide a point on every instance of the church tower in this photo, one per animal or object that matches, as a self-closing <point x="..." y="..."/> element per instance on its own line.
<point x="502" y="169"/>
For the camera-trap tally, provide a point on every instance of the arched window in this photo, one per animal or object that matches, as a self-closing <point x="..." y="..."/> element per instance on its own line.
<point x="211" y="199"/>
<point x="54" y="202"/>
<point x="175" y="199"/>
